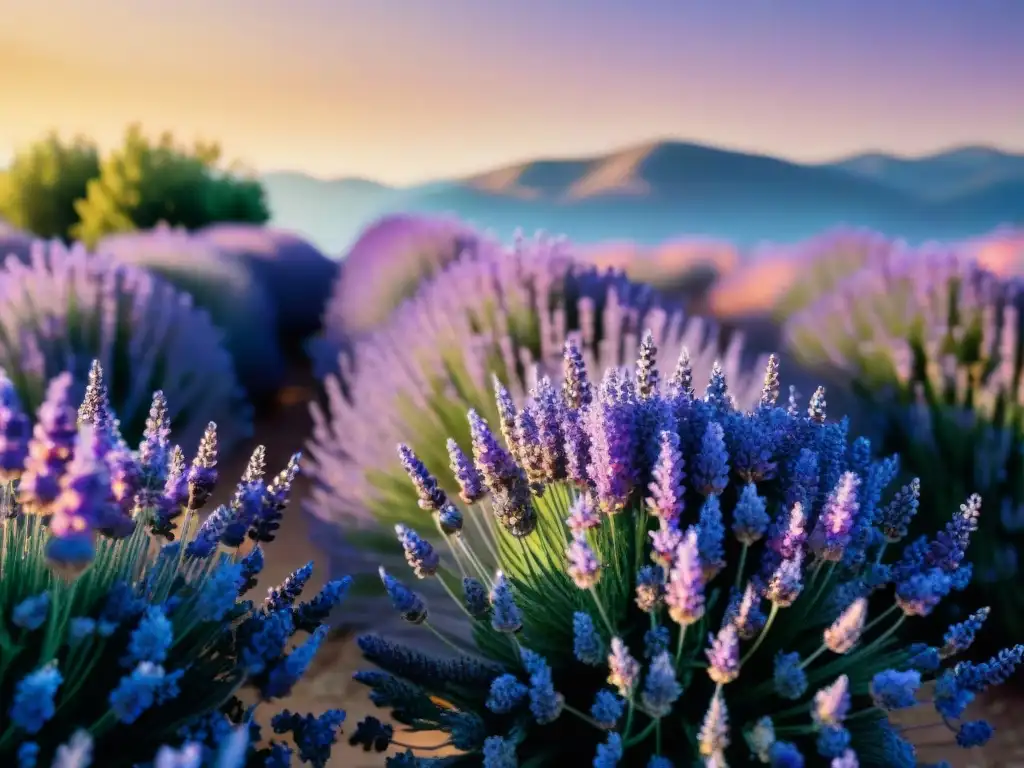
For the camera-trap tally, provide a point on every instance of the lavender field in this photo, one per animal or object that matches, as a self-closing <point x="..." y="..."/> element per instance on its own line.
<point x="775" y="428"/>
<point x="518" y="385"/>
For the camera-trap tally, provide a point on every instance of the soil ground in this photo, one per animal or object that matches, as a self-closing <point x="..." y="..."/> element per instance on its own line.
<point x="329" y="684"/>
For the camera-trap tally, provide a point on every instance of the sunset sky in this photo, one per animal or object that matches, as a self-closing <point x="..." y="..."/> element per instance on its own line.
<point x="406" y="90"/>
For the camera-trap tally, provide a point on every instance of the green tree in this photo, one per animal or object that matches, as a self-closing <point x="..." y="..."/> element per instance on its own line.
<point x="143" y="183"/>
<point x="39" y="190"/>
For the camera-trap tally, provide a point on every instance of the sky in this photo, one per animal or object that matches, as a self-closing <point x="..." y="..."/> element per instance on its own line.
<point x="403" y="91"/>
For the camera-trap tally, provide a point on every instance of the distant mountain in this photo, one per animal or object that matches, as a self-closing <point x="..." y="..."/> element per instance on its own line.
<point x="659" y="190"/>
<point x="941" y="176"/>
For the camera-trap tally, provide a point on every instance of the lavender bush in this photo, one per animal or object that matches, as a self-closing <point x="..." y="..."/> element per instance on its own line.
<point x="14" y="242"/>
<point x="120" y="614"/>
<point x="65" y="307"/>
<point x="678" y="582"/>
<point x="932" y="345"/>
<point x="222" y="286"/>
<point x="384" y="267"/>
<point x="827" y="259"/>
<point x="295" y="275"/>
<point x="503" y="312"/>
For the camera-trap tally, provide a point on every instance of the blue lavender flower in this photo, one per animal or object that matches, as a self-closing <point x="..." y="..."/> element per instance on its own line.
<point x="808" y="574"/>
<point x="506" y="694"/>
<point x="893" y="689"/>
<point x="608" y="708"/>
<point x="153" y="619"/>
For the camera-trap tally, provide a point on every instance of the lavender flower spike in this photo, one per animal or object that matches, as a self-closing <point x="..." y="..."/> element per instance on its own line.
<point x="684" y="592"/>
<point x="845" y="632"/>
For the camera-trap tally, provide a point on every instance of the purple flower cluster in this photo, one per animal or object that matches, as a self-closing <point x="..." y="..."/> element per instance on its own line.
<point x="223" y="286"/>
<point x="383" y="268"/>
<point x="932" y="344"/>
<point x="92" y="573"/>
<point x="504" y="312"/>
<point x="295" y="275"/>
<point x="65" y="307"/>
<point x="746" y="557"/>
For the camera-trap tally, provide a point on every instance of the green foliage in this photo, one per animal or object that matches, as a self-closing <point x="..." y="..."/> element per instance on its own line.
<point x="143" y="183"/>
<point x="39" y="190"/>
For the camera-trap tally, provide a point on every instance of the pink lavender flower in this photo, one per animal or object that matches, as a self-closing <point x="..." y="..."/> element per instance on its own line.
<point x="846" y="630"/>
<point x="832" y="703"/>
<point x="623" y="669"/>
<point x="832" y="534"/>
<point x="51" y="447"/>
<point x="684" y="591"/>
<point x="724" y="655"/>
<point x="584" y="566"/>
<point x="583" y="514"/>
<point x="666" y="487"/>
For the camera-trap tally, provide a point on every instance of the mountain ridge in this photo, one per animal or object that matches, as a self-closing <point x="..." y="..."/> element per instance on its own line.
<point x="654" y="190"/>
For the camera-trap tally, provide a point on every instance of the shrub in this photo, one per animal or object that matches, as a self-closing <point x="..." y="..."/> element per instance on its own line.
<point x="66" y="307"/>
<point x="224" y="287"/>
<point x="931" y="344"/>
<point x="294" y="274"/>
<point x="677" y="582"/>
<point x="501" y="312"/>
<point x="39" y="189"/>
<point x="824" y="261"/>
<point x="143" y="183"/>
<point x="120" y="613"/>
<point x="385" y="266"/>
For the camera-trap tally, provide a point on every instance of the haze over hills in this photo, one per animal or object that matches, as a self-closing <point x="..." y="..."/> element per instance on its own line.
<point x="658" y="190"/>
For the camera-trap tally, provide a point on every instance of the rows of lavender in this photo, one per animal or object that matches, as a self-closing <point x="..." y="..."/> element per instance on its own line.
<point x="606" y="530"/>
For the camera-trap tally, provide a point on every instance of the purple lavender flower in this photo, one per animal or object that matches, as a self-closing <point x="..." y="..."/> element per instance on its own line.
<point x="623" y="669"/>
<point x="230" y="301"/>
<point x="576" y="390"/>
<point x="505" y="614"/>
<point x="612" y="436"/>
<point x="666" y="487"/>
<point x="832" y="703"/>
<point x="750" y="520"/>
<point x="710" y="538"/>
<point x="584" y="567"/>
<point x="745" y="612"/>
<point x="661" y="689"/>
<point x="714" y="733"/>
<point x="724" y="655"/>
<point x="664" y="543"/>
<point x="384" y="267"/>
<point x="471" y="487"/>
<point x="419" y="553"/>
<point x="583" y="514"/>
<point x="786" y="583"/>
<point x="295" y="275"/>
<point x="51" y="447"/>
<point x="432" y="498"/>
<point x="15" y="431"/>
<point x="846" y="630"/>
<point x="408" y="604"/>
<point x="832" y="534"/>
<point x="65" y="308"/>
<point x="710" y="471"/>
<point x="684" y="591"/>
